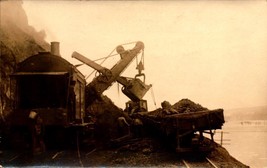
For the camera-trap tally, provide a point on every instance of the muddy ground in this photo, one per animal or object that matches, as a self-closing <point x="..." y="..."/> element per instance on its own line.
<point x="139" y="153"/>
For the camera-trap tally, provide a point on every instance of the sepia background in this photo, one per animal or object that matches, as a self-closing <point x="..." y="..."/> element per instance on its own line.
<point x="211" y="52"/>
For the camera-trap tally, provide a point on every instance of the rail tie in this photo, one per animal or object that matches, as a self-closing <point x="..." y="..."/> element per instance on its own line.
<point x="185" y="163"/>
<point x="211" y="163"/>
<point x="15" y="157"/>
<point x="55" y="155"/>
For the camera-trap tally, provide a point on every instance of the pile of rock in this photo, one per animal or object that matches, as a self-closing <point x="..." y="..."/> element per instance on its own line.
<point x="182" y="106"/>
<point x="105" y="115"/>
<point x="186" y="105"/>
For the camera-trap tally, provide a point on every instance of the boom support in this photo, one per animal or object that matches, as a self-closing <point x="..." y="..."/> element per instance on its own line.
<point x="135" y="89"/>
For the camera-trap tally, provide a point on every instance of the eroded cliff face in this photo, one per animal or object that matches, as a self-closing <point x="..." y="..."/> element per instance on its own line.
<point x="18" y="40"/>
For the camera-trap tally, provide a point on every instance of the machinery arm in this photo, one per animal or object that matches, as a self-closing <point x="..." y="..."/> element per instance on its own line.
<point x="107" y="77"/>
<point x="126" y="58"/>
<point x="88" y="62"/>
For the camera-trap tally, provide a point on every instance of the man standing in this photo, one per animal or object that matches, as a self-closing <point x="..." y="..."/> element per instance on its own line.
<point x="37" y="132"/>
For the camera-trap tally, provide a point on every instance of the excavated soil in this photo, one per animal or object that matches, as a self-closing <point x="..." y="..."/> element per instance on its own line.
<point x="141" y="153"/>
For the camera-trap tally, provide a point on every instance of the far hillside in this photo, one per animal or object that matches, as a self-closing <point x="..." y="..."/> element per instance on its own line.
<point x="249" y="113"/>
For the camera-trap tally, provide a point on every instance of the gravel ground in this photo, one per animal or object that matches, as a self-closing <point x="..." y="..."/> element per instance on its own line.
<point x="142" y="153"/>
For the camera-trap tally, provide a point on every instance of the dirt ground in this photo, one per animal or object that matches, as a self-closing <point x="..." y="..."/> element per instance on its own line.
<point x="139" y="153"/>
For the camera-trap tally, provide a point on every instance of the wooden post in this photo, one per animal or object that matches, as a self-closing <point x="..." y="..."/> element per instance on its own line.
<point x="211" y="135"/>
<point x="221" y="138"/>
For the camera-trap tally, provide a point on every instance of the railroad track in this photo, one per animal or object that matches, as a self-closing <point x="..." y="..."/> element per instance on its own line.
<point x="54" y="157"/>
<point x="68" y="158"/>
<point x="76" y="159"/>
<point x="205" y="162"/>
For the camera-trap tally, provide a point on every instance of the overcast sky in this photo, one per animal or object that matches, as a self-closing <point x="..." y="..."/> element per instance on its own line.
<point x="214" y="53"/>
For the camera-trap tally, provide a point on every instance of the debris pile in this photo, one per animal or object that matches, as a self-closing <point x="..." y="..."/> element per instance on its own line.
<point x="182" y="106"/>
<point x="105" y="115"/>
<point x="186" y="106"/>
<point x="144" y="145"/>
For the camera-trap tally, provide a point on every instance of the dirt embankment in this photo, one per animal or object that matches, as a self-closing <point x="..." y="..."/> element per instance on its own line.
<point x="148" y="151"/>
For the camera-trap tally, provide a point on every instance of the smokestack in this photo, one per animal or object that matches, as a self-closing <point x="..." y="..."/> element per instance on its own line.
<point x="55" y="48"/>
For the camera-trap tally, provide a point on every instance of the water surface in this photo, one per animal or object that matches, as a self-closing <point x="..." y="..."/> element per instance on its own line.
<point x="246" y="141"/>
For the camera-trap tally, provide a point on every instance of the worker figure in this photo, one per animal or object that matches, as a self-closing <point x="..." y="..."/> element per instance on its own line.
<point x="37" y="133"/>
<point x="167" y="108"/>
<point x="137" y="127"/>
<point x="123" y="126"/>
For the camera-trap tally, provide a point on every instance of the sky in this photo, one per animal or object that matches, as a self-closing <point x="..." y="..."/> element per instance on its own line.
<point x="211" y="52"/>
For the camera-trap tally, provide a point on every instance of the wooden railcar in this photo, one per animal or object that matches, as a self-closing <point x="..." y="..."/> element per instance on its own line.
<point x="185" y="130"/>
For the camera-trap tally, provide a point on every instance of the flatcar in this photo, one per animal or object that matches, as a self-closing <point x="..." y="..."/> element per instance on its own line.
<point x="184" y="131"/>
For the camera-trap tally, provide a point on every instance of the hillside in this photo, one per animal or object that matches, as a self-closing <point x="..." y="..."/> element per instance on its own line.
<point x="18" y="41"/>
<point x="249" y="113"/>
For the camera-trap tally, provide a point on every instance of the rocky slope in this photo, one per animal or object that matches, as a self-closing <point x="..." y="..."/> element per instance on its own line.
<point x="18" y="41"/>
<point x="249" y="113"/>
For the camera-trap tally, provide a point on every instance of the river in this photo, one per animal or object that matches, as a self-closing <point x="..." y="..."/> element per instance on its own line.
<point x="246" y="141"/>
